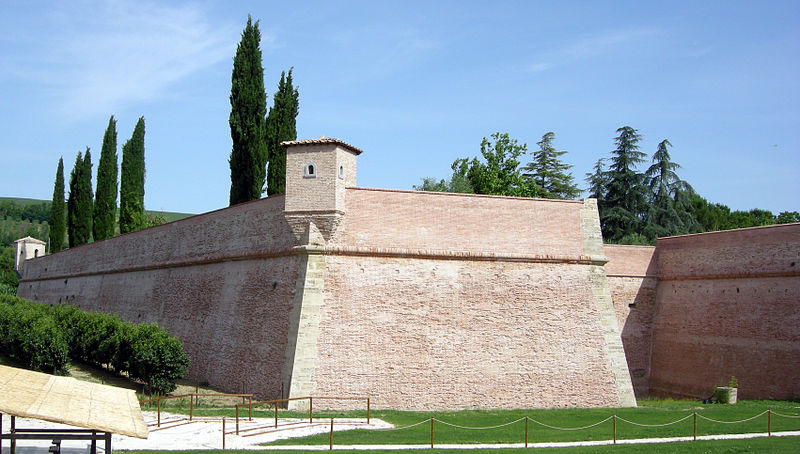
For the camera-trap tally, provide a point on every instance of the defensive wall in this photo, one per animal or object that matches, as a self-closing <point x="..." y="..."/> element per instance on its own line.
<point x="437" y="301"/>
<point x="728" y="304"/>
<point x="697" y="309"/>
<point x="419" y="300"/>
<point x="633" y="277"/>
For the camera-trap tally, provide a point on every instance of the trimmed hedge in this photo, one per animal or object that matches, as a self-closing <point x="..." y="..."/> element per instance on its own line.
<point x="42" y="337"/>
<point x="29" y="335"/>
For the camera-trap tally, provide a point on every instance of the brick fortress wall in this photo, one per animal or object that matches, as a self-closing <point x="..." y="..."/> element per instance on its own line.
<point x="728" y="303"/>
<point x="633" y="277"/>
<point x="222" y="282"/>
<point x="456" y="301"/>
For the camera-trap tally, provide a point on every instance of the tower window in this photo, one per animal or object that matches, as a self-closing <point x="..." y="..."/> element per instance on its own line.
<point x="341" y="172"/>
<point x="311" y="171"/>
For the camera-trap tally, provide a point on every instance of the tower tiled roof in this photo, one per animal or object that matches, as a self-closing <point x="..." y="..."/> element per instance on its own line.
<point x="322" y="141"/>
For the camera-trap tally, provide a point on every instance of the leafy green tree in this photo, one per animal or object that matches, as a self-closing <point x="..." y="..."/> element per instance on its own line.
<point x="248" y="157"/>
<point x="549" y="173"/>
<point x="105" y="200"/>
<point x="131" y="190"/>
<point x="501" y="173"/>
<point x="281" y="126"/>
<point x="458" y="182"/>
<point x="786" y="217"/>
<point x="625" y="202"/>
<point x="58" y="218"/>
<point x="79" y="204"/>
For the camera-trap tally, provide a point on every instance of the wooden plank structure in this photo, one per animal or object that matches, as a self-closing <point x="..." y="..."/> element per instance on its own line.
<point x="99" y="410"/>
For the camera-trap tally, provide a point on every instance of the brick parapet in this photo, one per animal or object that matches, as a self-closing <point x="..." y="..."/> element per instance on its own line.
<point x="461" y="222"/>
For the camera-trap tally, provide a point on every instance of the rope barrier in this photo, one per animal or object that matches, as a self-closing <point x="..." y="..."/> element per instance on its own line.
<point x="656" y="425"/>
<point x="733" y="422"/>
<point x="785" y="416"/>
<point x="404" y="427"/>
<point x="478" y="428"/>
<point x="571" y="428"/>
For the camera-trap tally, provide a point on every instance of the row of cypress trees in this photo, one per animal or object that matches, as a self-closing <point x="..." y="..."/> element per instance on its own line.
<point x="90" y="217"/>
<point x="256" y="134"/>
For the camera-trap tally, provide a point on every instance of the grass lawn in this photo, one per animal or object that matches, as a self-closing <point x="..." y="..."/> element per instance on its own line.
<point x="649" y="412"/>
<point x="772" y="445"/>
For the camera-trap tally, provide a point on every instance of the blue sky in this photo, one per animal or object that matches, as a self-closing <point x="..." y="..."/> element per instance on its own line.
<point x="414" y="84"/>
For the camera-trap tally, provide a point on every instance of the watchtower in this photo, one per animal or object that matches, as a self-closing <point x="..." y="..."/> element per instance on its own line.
<point x="27" y="248"/>
<point x="317" y="173"/>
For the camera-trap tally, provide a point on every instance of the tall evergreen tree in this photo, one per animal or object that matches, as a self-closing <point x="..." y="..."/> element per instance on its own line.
<point x="598" y="180"/>
<point x="105" y="200"/>
<point x="79" y="204"/>
<point x="670" y="207"/>
<point x="58" y="218"/>
<point x="131" y="190"/>
<point x="549" y="173"/>
<point x="281" y="126"/>
<point x="623" y="208"/>
<point x="248" y="157"/>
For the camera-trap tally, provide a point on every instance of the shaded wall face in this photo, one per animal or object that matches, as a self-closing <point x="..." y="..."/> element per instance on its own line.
<point x="632" y="279"/>
<point x="225" y="299"/>
<point x="729" y="304"/>
<point x="432" y="334"/>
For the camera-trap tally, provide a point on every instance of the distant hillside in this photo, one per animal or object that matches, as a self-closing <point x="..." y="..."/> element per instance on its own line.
<point x="168" y="215"/>
<point x="20" y="217"/>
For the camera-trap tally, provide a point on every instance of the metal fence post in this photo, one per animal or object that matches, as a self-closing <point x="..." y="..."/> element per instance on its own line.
<point x="367" y="410"/>
<point x="191" y="406"/>
<point x="694" y="430"/>
<point x="223" y="433"/>
<point x="769" y="422"/>
<point x="331" y="447"/>
<point x="158" y="400"/>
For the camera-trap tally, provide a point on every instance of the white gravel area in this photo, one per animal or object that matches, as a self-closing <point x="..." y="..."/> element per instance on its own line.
<point x="177" y="433"/>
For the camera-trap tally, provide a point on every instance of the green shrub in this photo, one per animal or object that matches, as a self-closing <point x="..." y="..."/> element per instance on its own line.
<point x="158" y="358"/>
<point x="7" y="289"/>
<point x="29" y="335"/>
<point x="43" y="337"/>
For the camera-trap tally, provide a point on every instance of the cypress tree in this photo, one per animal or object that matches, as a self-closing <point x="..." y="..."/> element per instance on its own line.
<point x="131" y="190"/>
<point x="79" y="204"/>
<point x="58" y="219"/>
<point x="105" y="200"/>
<point x="281" y="126"/>
<point x="248" y="159"/>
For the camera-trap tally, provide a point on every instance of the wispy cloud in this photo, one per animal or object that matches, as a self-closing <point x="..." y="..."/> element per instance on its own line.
<point x="585" y="48"/>
<point x="111" y="54"/>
